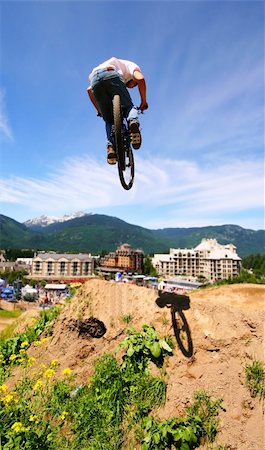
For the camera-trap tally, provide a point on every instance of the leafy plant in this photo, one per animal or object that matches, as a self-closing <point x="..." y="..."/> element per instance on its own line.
<point x="164" y="434"/>
<point x="183" y="433"/>
<point x="145" y="345"/>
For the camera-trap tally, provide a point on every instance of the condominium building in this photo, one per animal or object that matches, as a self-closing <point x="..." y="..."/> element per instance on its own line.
<point x="61" y="266"/>
<point x="209" y="259"/>
<point x="125" y="258"/>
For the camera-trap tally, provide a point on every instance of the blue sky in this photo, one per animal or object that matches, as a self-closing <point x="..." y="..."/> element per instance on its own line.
<point x="201" y="160"/>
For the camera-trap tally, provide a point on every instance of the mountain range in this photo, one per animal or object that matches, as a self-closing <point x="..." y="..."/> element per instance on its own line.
<point x="95" y="233"/>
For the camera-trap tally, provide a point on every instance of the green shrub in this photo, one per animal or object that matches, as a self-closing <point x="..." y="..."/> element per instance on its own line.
<point x="30" y="297"/>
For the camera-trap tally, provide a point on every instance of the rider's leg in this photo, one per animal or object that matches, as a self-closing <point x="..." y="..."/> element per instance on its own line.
<point x="132" y="116"/>
<point x="118" y="87"/>
<point x="108" y="127"/>
<point x="111" y="154"/>
<point x="100" y="90"/>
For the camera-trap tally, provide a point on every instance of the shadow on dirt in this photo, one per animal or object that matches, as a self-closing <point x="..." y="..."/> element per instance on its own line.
<point x="92" y="327"/>
<point x="177" y="304"/>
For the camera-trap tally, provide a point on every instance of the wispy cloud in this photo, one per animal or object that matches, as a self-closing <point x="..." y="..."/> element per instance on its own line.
<point x="5" y="129"/>
<point x="186" y="189"/>
<point x="211" y="96"/>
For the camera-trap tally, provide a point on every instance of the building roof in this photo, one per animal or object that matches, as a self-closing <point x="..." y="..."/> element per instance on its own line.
<point x="55" y="286"/>
<point x="58" y="256"/>
<point x="218" y="251"/>
<point x="211" y="246"/>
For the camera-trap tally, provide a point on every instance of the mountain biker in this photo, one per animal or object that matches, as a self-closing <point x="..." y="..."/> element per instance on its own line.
<point x="113" y="77"/>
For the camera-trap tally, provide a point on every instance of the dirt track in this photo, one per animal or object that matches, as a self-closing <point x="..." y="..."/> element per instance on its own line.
<point x="226" y="331"/>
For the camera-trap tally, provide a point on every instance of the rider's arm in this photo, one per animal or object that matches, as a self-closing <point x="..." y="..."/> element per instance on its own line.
<point x="93" y="100"/>
<point x="139" y="78"/>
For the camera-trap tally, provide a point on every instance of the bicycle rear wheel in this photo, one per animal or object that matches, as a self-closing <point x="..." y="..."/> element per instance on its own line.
<point x="182" y="332"/>
<point x="124" y="152"/>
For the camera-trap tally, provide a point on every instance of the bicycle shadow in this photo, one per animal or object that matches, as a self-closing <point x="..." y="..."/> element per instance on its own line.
<point x="177" y="304"/>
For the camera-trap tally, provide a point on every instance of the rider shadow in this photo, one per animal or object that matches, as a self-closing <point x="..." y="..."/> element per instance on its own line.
<point x="177" y="304"/>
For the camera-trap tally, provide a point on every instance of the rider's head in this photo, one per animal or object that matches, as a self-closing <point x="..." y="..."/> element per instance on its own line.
<point x="131" y="83"/>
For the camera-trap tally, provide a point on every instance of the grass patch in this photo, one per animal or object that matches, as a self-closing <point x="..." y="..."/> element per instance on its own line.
<point x="11" y="347"/>
<point x="8" y="331"/>
<point x="255" y="378"/>
<point x="127" y="318"/>
<point x="10" y="314"/>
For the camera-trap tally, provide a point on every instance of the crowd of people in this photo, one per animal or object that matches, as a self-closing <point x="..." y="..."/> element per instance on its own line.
<point x="50" y="298"/>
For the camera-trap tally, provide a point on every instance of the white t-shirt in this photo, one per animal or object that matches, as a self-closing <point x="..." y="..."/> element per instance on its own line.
<point x="124" y="68"/>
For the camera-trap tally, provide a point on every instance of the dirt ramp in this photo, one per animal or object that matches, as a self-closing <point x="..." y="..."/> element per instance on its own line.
<point x="226" y="326"/>
<point x="115" y="306"/>
<point x="243" y="296"/>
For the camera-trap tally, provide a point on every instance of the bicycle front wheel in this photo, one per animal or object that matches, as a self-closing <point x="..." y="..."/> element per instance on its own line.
<point x="182" y="332"/>
<point x="124" y="152"/>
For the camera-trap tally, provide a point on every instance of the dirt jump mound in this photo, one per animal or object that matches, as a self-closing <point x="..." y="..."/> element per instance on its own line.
<point x="223" y="328"/>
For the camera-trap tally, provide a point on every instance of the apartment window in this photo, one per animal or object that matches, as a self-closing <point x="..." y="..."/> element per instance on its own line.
<point x="37" y="266"/>
<point x="50" y="267"/>
<point x="86" y="268"/>
<point x="62" y="267"/>
<point x="75" y="268"/>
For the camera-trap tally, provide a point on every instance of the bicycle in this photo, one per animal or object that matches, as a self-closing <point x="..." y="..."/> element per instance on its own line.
<point x="122" y="145"/>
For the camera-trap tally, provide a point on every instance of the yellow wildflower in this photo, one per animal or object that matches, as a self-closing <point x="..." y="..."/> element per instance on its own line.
<point x="24" y="344"/>
<point x="49" y="373"/>
<point x="37" y="343"/>
<point x="63" y="415"/>
<point x="34" y="418"/>
<point x="54" y="363"/>
<point x="1" y="357"/>
<point x="7" y="399"/>
<point x="12" y="357"/>
<point x="45" y="339"/>
<point x="3" y="388"/>
<point x="31" y="361"/>
<point x="22" y="351"/>
<point x="37" y="385"/>
<point x="18" y="427"/>
<point x="67" y="371"/>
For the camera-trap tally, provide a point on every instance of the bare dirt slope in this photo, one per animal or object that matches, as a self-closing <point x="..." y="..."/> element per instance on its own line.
<point x="226" y="327"/>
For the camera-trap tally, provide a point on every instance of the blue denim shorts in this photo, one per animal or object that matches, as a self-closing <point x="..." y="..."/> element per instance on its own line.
<point x="103" y="74"/>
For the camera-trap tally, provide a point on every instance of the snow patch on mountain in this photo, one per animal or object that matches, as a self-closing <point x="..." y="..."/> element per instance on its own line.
<point x="44" y="221"/>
